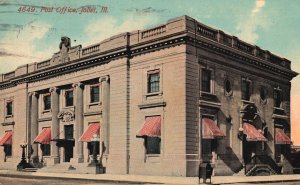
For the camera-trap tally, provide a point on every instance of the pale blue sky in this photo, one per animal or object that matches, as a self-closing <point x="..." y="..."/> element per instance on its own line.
<point x="31" y="37"/>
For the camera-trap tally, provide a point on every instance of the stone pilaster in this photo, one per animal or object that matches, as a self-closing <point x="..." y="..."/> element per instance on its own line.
<point x="55" y="124"/>
<point x="78" y="89"/>
<point x="34" y="126"/>
<point x="200" y="136"/>
<point x="105" y="97"/>
<point x="241" y="129"/>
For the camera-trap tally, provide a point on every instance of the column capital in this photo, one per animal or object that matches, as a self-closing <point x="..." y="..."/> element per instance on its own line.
<point x="104" y="78"/>
<point x="33" y="94"/>
<point x="78" y="84"/>
<point x="54" y="89"/>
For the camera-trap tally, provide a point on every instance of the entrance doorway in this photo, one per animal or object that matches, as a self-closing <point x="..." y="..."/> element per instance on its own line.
<point x="69" y="143"/>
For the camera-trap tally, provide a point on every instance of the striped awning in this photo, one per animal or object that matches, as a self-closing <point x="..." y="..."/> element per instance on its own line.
<point x="93" y="128"/>
<point x="44" y="136"/>
<point x="151" y="127"/>
<point x="252" y="134"/>
<point x="281" y="137"/>
<point x="210" y="130"/>
<point x="6" y="139"/>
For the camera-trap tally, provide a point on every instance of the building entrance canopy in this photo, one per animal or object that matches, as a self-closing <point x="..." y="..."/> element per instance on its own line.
<point x="44" y="137"/>
<point x="210" y="130"/>
<point x="281" y="137"/>
<point x="252" y="134"/>
<point x="94" y="128"/>
<point x="6" y="139"/>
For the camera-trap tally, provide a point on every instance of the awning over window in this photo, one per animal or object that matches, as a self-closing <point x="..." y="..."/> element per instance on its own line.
<point x="210" y="130"/>
<point x="6" y="139"/>
<point x="93" y="128"/>
<point x="281" y="137"/>
<point x="44" y="136"/>
<point x="151" y="127"/>
<point x="252" y="134"/>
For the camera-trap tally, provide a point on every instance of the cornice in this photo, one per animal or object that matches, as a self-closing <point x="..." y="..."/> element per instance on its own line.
<point x="241" y="56"/>
<point x="67" y="67"/>
<point x="146" y="47"/>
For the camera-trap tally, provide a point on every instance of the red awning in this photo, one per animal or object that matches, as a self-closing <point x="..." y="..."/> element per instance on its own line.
<point x="210" y="130"/>
<point x="93" y="128"/>
<point x="281" y="137"/>
<point x="151" y="127"/>
<point x="44" y="137"/>
<point x="6" y="139"/>
<point x="252" y="133"/>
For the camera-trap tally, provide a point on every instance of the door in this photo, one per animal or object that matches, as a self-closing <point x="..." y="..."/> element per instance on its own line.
<point x="69" y="142"/>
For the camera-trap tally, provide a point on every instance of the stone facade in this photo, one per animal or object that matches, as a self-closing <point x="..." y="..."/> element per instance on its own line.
<point x="180" y="53"/>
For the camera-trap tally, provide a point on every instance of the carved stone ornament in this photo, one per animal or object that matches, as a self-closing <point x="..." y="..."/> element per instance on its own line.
<point x="65" y="42"/>
<point x="66" y="116"/>
<point x="64" y="46"/>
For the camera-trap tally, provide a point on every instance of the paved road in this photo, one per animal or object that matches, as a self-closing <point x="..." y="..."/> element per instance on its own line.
<point x="26" y="181"/>
<point x="274" y="183"/>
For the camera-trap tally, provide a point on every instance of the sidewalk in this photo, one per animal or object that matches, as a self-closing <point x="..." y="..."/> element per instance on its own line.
<point x="140" y="179"/>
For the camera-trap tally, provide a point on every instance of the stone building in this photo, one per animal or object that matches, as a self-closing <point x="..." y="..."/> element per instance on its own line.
<point x="162" y="101"/>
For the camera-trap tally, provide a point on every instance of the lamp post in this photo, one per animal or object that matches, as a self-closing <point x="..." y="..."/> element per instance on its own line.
<point x="94" y="140"/>
<point x="23" y="163"/>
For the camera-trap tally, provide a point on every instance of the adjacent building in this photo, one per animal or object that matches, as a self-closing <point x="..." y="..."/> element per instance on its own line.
<point x="159" y="101"/>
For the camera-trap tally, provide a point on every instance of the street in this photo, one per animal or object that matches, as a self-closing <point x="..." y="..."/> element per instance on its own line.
<point x="273" y="183"/>
<point x="47" y="181"/>
<point x="53" y="181"/>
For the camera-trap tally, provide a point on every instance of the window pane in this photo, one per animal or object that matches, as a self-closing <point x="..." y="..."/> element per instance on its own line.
<point x="206" y="78"/>
<point x="7" y="150"/>
<point x="152" y="145"/>
<point x="277" y="98"/>
<point x="91" y="148"/>
<point x="69" y="132"/>
<point x="9" y="108"/>
<point x="245" y="90"/>
<point x="153" y="82"/>
<point x="69" y="98"/>
<point x="45" y="149"/>
<point x="47" y="102"/>
<point x="94" y="94"/>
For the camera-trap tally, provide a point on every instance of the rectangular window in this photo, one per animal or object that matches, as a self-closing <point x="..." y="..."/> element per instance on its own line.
<point x="153" y="81"/>
<point x="152" y="145"/>
<point x="206" y="78"/>
<point x="69" y="98"/>
<point x="91" y="148"/>
<point x="9" y="108"/>
<point x="47" y="101"/>
<point x="277" y="98"/>
<point x="69" y="132"/>
<point x="8" y="150"/>
<point x="94" y="93"/>
<point x="46" y="148"/>
<point x="245" y="90"/>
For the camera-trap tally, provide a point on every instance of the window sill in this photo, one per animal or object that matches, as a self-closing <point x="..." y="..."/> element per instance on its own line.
<point x="70" y="107"/>
<point x="152" y="158"/>
<point x="151" y="105"/>
<point x="9" y="116"/>
<point x="154" y="94"/>
<point x="95" y="104"/>
<point x="203" y="93"/>
<point x="278" y="108"/>
<point x="46" y="111"/>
